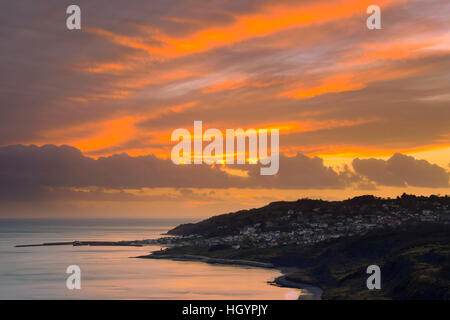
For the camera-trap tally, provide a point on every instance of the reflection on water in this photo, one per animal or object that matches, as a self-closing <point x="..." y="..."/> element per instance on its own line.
<point x="109" y="273"/>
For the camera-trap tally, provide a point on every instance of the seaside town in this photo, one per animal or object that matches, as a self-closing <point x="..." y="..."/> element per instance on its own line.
<point x="318" y="221"/>
<point x="319" y="224"/>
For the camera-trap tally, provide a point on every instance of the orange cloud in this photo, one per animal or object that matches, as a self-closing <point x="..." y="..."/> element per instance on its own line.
<point x="339" y="154"/>
<point x="350" y="81"/>
<point x="230" y="84"/>
<point x="157" y="78"/>
<point x="271" y="19"/>
<point x="167" y="110"/>
<point x="106" y="134"/>
<point x="94" y="136"/>
<point x="401" y="49"/>
<point x="108" y="94"/>
<point x="126" y="41"/>
<point x="104" y="67"/>
<point x="338" y="83"/>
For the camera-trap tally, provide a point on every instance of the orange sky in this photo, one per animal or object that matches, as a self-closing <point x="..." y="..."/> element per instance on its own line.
<point x="135" y="73"/>
<point x="373" y="61"/>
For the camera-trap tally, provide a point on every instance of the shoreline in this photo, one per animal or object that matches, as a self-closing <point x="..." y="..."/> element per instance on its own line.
<point x="314" y="292"/>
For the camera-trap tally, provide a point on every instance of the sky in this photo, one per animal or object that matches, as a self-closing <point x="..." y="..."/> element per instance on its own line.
<point x="86" y="115"/>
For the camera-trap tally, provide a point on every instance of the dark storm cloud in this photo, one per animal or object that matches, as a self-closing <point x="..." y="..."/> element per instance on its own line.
<point x="66" y="166"/>
<point x="300" y="172"/>
<point x="401" y="170"/>
<point x="28" y="171"/>
<point x="37" y="173"/>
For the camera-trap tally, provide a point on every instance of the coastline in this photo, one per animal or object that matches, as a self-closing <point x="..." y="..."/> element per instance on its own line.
<point x="313" y="292"/>
<point x="188" y="257"/>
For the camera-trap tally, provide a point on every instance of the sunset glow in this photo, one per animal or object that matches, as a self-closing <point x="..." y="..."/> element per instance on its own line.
<point x="109" y="97"/>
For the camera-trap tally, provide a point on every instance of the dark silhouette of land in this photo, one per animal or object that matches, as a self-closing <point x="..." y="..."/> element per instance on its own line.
<point x="331" y="244"/>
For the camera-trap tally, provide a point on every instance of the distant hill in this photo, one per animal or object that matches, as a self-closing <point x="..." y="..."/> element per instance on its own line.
<point x="269" y="216"/>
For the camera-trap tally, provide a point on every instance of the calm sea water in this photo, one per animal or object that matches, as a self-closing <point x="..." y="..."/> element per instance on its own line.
<point x="110" y="272"/>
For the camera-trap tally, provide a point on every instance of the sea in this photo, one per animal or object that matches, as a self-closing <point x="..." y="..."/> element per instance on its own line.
<point x="113" y="272"/>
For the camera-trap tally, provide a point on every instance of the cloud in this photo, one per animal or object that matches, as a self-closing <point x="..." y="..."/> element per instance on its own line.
<point x="65" y="166"/>
<point x="300" y="172"/>
<point x="32" y="171"/>
<point x="71" y="79"/>
<point x="402" y="170"/>
<point x="63" y="172"/>
<point x="351" y="89"/>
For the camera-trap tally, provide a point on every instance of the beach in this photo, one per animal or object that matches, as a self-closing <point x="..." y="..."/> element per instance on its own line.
<point x="307" y="291"/>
